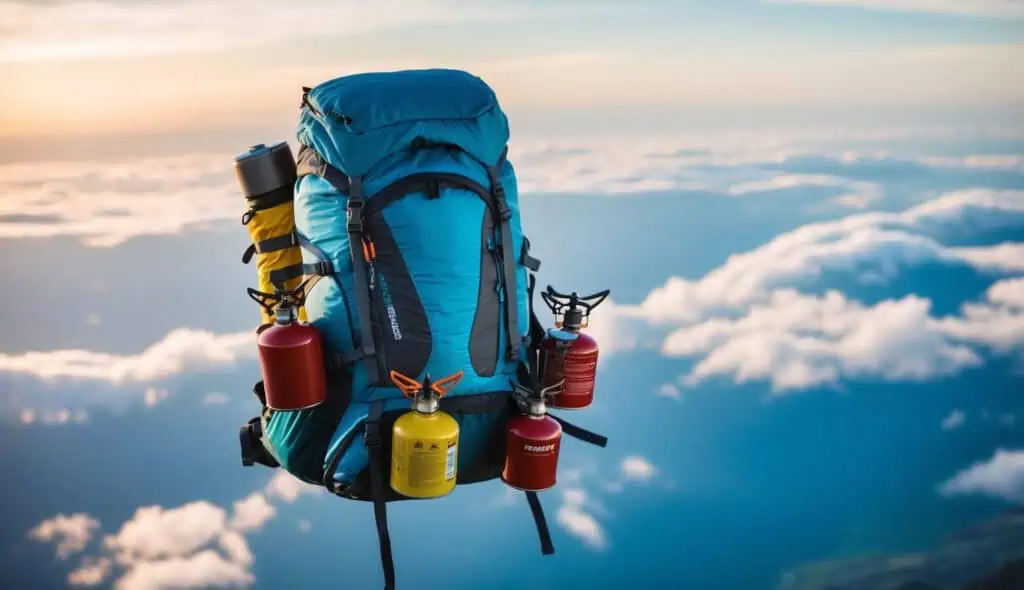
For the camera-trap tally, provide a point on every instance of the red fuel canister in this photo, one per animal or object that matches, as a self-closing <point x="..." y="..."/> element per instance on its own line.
<point x="567" y="355"/>
<point x="532" y="443"/>
<point x="292" y="362"/>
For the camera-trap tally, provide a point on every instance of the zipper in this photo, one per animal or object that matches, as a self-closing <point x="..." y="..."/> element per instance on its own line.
<point x="339" y="117"/>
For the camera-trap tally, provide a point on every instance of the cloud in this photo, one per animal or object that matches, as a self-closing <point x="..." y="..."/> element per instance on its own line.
<point x="71" y="533"/>
<point x="579" y="511"/>
<point x="153" y="396"/>
<point x="1008" y="293"/>
<point x="252" y="512"/>
<point x="106" y="29"/>
<point x="194" y="545"/>
<point x="305" y="526"/>
<point x="856" y="194"/>
<point x="288" y="488"/>
<point x="954" y="420"/>
<point x="749" y="165"/>
<point x="882" y="242"/>
<point x="573" y="515"/>
<point x="107" y="203"/>
<point x="199" y="570"/>
<point x="155" y="532"/>
<point x="996" y="9"/>
<point x="798" y="341"/>
<point x="669" y="390"/>
<point x="180" y="350"/>
<point x="53" y="418"/>
<point x="996" y="323"/>
<point x="92" y="572"/>
<point x="215" y="398"/>
<point x="1001" y="476"/>
<point x="636" y="468"/>
<point x="748" y="319"/>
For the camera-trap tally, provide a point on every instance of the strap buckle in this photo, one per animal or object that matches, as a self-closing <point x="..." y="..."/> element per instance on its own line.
<point x="354" y="217"/>
<point x="323" y="268"/>
<point x="504" y="213"/>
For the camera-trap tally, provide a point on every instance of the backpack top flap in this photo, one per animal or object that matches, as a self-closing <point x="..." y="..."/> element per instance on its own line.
<point x="359" y="120"/>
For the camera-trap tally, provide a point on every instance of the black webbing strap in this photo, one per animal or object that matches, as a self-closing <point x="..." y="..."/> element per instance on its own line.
<point x="546" y="546"/>
<point x="526" y="260"/>
<point x="287" y="273"/>
<point x="508" y="262"/>
<point x="272" y="198"/>
<point x="380" y="507"/>
<point x="536" y="328"/>
<point x="581" y="433"/>
<point x="344" y="359"/>
<point x="270" y="245"/>
<point x="354" y="223"/>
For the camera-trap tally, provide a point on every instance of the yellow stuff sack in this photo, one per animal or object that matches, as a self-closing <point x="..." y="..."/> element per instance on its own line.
<point x="276" y="247"/>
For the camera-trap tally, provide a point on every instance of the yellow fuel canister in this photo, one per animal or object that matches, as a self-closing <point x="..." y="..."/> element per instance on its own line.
<point x="425" y="440"/>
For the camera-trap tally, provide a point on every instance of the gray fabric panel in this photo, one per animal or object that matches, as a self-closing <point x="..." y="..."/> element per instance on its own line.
<point x="483" y="340"/>
<point x="397" y="306"/>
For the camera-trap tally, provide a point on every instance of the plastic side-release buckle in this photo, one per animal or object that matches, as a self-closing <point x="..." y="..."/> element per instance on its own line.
<point x="354" y="217"/>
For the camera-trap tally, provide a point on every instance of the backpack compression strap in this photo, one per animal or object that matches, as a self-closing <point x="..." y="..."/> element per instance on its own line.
<point x="508" y="258"/>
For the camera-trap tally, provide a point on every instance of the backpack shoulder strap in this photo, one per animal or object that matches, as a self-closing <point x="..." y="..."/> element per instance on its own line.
<point x="380" y="507"/>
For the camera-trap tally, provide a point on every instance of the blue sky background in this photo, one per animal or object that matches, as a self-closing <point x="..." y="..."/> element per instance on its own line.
<point x="810" y="215"/>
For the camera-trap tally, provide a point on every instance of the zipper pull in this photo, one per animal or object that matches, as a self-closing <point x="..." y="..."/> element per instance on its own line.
<point x="369" y="250"/>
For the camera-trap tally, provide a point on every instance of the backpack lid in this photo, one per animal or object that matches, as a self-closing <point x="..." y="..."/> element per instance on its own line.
<point x="368" y="117"/>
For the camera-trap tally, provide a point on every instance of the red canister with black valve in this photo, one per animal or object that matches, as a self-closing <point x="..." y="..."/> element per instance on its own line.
<point x="291" y="359"/>
<point x="532" y="442"/>
<point x="567" y="355"/>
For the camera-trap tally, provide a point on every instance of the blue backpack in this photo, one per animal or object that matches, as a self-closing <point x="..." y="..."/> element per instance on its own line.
<point x="407" y="207"/>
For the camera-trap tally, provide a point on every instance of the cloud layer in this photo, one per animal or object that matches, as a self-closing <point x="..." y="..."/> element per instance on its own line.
<point x="181" y="350"/>
<point x="106" y="203"/>
<point x="1012" y="9"/>
<point x="749" y="319"/>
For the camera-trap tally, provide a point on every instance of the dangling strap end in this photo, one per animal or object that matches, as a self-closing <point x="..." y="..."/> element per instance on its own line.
<point x="543" y="533"/>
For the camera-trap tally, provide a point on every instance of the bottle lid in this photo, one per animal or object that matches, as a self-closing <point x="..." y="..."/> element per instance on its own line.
<point x="426" y="404"/>
<point x="573" y="319"/>
<point x="284" y="313"/>
<point x="263" y="169"/>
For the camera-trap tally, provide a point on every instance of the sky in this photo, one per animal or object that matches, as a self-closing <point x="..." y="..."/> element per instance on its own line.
<point x="100" y="67"/>
<point x="810" y="214"/>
